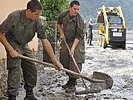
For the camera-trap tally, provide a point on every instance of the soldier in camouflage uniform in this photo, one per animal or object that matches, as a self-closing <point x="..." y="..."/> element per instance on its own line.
<point x="15" y="32"/>
<point x="70" y="26"/>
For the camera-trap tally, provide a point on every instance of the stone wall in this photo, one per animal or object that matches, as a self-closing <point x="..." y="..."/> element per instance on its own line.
<point x="3" y="77"/>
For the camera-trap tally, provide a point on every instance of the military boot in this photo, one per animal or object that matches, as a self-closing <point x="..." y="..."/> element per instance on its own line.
<point x="12" y="97"/>
<point x="71" y="88"/>
<point x="67" y="84"/>
<point x="30" y="95"/>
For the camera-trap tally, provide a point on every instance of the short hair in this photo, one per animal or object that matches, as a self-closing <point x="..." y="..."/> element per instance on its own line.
<point x="34" y="5"/>
<point x="74" y="2"/>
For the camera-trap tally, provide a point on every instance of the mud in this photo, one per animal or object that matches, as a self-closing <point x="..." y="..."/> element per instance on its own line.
<point x="117" y="63"/>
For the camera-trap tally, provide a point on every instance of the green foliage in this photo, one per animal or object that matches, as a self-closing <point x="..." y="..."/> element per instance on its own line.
<point x="52" y="8"/>
<point x="49" y="30"/>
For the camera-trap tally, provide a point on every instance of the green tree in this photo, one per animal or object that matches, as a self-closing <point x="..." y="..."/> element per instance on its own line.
<point x="51" y="11"/>
<point x="52" y="8"/>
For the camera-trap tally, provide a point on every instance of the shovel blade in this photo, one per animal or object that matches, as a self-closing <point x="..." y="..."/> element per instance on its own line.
<point x="102" y="76"/>
<point x="96" y="87"/>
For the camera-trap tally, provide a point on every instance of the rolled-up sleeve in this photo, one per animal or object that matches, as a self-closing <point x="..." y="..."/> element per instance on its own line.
<point x="40" y="29"/>
<point x="7" y="24"/>
<point x="60" y="18"/>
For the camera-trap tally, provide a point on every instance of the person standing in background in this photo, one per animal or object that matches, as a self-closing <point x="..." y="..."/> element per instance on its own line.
<point x="90" y="33"/>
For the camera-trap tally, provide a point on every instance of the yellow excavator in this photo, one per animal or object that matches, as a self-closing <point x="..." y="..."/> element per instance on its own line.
<point x="111" y="27"/>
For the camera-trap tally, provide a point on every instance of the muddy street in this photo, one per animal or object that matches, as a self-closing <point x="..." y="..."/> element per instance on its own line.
<point x="117" y="63"/>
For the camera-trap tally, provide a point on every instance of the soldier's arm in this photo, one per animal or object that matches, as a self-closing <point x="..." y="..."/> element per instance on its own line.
<point x="75" y="43"/>
<point x="47" y="46"/>
<point x="60" y="29"/>
<point x="5" y="27"/>
<point x="8" y="47"/>
<point x="92" y="23"/>
<point x="60" y="25"/>
<point x="79" y="34"/>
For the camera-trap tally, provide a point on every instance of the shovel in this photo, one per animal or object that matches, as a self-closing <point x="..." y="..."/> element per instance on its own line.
<point x="76" y="65"/>
<point x="95" y="86"/>
<point x="103" y="82"/>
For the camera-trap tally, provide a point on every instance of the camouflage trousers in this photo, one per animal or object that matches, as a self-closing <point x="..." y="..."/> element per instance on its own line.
<point x="67" y="61"/>
<point x="20" y="67"/>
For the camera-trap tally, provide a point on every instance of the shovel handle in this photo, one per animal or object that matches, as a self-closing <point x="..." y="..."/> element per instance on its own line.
<point x="76" y="65"/>
<point x="66" y="70"/>
<point x="86" y="78"/>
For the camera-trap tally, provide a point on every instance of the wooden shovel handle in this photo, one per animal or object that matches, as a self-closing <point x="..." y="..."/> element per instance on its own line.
<point x="66" y="70"/>
<point x="76" y="65"/>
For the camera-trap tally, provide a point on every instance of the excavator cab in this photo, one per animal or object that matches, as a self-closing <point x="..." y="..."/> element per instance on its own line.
<point x="113" y="32"/>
